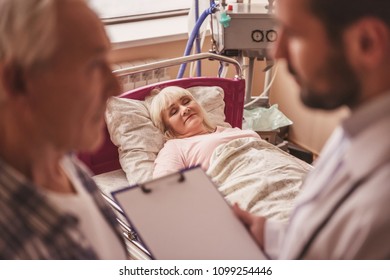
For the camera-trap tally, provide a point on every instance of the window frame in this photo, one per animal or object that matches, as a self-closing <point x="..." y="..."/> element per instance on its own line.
<point x="143" y="16"/>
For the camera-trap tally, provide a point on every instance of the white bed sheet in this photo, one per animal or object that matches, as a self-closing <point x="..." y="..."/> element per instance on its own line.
<point x="258" y="176"/>
<point x="253" y="173"/>
<point x="111" y="181"/>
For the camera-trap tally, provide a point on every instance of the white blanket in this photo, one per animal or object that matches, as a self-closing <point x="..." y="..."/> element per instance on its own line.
<point x="260" y="177"/>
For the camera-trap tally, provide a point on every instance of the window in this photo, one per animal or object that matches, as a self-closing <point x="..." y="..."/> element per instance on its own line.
<point x="127" y="9"/>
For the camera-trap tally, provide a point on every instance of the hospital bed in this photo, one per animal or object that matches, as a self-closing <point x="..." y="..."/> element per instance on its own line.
<point x="258" y="176"/>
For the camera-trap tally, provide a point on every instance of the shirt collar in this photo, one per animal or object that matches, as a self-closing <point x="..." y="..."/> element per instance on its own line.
<point x="367" y="114"/>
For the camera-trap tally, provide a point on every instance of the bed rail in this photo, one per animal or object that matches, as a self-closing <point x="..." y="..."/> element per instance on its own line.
<point x="137" y="249"/>
<point x="180" y="60"/>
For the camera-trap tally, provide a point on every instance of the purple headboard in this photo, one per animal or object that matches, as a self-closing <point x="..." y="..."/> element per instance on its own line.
<point x="106" y="158"/>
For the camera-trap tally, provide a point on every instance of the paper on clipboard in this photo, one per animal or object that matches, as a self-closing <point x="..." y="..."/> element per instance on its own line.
<point x="183" y="216"/>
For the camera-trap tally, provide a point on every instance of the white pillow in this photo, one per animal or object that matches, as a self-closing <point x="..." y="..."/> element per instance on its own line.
<point x="139" y="141"/>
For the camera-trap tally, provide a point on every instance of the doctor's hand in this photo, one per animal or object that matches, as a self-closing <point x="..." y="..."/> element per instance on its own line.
<point x="255" y="224"/>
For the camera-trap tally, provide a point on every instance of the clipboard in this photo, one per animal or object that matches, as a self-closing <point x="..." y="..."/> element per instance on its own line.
<point x="183" y="216"/>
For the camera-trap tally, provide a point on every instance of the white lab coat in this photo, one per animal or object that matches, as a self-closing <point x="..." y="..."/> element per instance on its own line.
<point x="360" y="227"/>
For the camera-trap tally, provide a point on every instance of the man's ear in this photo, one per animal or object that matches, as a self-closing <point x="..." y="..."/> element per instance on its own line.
<point x="13" y="79"/>
<point x="367" y="42"/>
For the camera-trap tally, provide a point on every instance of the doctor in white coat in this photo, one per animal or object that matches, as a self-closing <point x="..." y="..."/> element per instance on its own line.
<point x="339" y="53"/>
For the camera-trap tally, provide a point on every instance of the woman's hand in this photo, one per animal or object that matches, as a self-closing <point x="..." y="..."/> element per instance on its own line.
<point x="255" y="224"/>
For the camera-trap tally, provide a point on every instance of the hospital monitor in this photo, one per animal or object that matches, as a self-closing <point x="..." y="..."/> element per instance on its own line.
<point x="250" y="31"/>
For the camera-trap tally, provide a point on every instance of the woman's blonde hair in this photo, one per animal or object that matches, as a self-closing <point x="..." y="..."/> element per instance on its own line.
<point x="160" y="99"/>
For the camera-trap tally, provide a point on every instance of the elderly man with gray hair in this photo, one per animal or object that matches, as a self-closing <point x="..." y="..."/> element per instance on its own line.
<point x="55" y="79"/>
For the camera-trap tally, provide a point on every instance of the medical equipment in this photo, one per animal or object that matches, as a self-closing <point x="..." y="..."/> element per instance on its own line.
<point x="241" y="30"/>
<point x="249" y="32"/>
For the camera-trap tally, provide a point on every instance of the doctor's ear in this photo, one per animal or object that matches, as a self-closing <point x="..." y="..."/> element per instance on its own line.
<point x="13" y="79"/>
<point x="368" y="41"/>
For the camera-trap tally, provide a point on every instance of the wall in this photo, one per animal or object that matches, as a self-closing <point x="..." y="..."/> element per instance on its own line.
<point x="311" y="128"/>
<point x="165" y="51"/>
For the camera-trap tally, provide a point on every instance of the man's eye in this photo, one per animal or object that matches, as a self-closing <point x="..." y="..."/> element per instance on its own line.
<point x="97" y="64"/>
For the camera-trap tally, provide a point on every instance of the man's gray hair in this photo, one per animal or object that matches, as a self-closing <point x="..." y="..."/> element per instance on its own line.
<point x="27" y="31"/>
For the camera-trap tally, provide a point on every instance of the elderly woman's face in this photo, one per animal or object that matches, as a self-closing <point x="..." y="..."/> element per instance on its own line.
<point x="184" y="117"/>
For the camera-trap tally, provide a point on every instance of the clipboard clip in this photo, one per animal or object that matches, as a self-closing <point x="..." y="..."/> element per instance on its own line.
<point x="145" y="189"/>
<point x="181" y="178"/>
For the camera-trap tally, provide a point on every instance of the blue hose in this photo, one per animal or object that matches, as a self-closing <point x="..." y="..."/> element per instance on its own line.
<point x="193" y="36"/>
<point x="198" y="64"/>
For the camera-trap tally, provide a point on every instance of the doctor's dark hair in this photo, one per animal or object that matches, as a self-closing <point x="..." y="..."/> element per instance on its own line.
<point x="339" y="14"/>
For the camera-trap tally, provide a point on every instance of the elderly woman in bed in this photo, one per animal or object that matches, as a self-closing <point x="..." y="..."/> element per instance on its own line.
<point x="191" y="136"/>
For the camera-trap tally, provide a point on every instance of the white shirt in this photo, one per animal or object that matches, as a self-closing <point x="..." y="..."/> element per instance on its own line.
<point x="360" y="227"/>
<point x="93" y="225"/>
